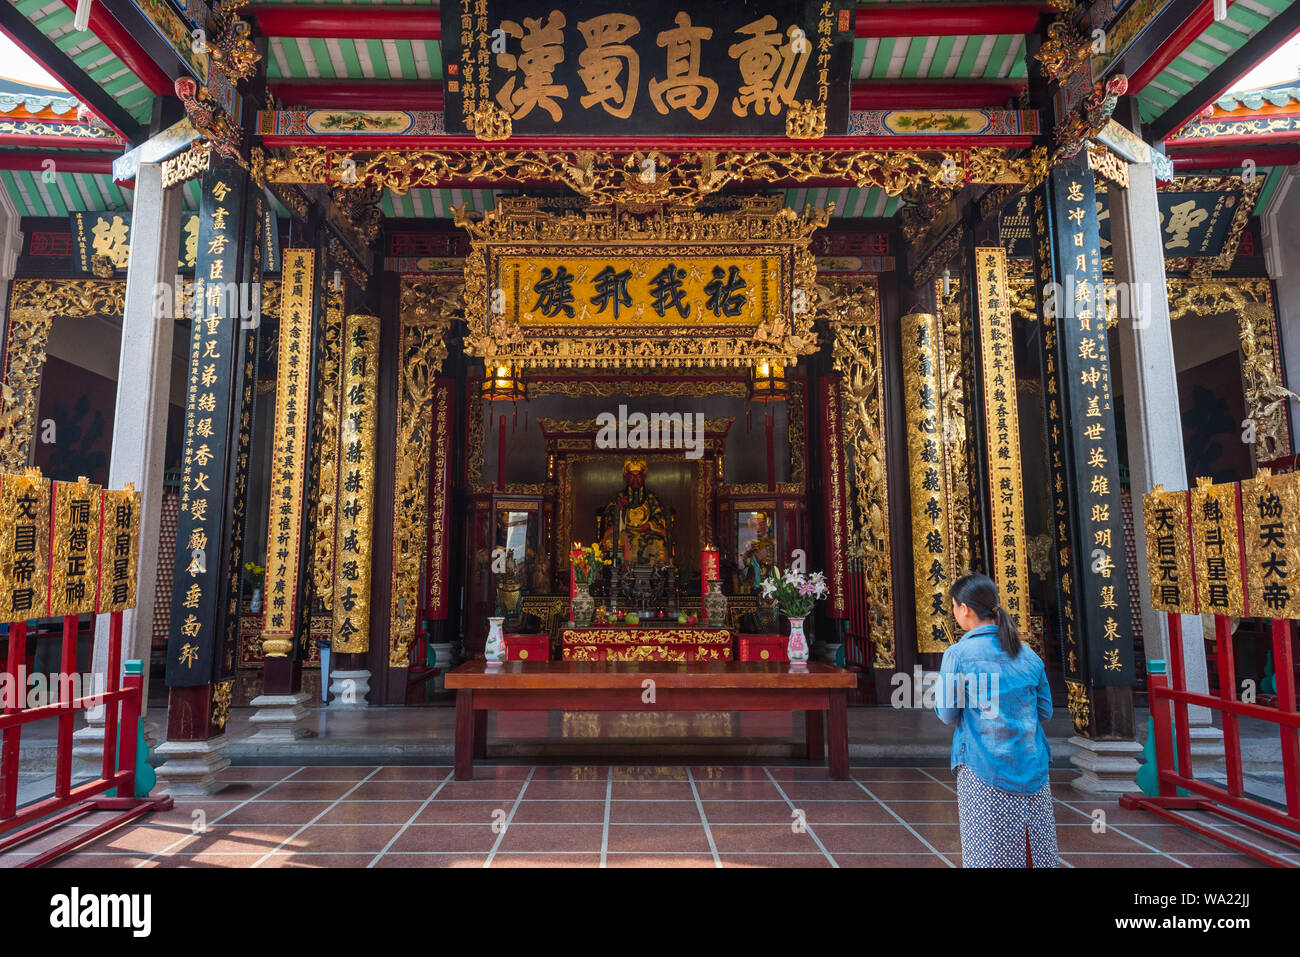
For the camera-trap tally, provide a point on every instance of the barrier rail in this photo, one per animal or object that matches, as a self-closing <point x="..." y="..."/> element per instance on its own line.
<point x="123" y="702"/>
<point x="1172" y="736"/>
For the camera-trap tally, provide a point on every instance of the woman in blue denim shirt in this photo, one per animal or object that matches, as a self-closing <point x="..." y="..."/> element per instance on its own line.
<point x="995" y="689"/>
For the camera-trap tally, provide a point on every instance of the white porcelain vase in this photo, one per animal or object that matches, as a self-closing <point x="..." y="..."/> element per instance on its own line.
<point x="796" y="649"/>
<point x="495" y="649"/>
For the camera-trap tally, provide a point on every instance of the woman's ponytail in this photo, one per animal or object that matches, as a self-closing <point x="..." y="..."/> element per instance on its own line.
<point x="1008" y="633"/>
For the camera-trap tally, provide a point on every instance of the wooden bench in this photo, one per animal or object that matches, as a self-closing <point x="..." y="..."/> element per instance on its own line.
<point x="618" y="686"/>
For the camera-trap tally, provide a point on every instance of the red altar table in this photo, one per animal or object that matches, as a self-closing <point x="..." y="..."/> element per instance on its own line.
<point x="645" y="643"/>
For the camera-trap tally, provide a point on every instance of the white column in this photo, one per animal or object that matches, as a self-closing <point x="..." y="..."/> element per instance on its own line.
<point x="1282" y="258"/>
<point x="140" y="420"/>
<point x="1150" y="381"/>
<point x="11" y="244"/>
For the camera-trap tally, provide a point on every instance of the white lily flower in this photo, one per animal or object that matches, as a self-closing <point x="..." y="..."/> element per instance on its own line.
<point x="769" y="588"/>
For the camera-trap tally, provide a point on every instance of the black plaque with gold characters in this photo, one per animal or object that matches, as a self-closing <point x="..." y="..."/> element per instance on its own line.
<point x="200" y="607"/>
<point x="638" y="67"/>
<point x="1081" y="422"/>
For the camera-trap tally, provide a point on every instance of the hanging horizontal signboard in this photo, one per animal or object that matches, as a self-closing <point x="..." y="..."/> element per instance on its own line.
<point x="1201" y="220"/>
<point x="109" y="234"/>
<point x="586" y="290"/>
<point x="638" y="67"/>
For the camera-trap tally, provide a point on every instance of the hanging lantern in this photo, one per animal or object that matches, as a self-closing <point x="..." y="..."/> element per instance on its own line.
<point x="503" y="383"/>
<point x="767" y="381"/>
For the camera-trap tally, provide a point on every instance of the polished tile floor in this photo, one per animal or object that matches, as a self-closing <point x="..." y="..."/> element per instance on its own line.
<point x="520" y="815"/>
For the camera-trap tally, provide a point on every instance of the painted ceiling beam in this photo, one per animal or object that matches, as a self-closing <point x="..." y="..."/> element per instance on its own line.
<point x="1251" y="53"/>
<point x="126" y="48"/>
<point x="359" y="94"/>
<point x="1179" y="40"/>
<point x="351" y="21"/>
<point x="54" y="141"/>
<point x="926" y="94"/>
<point x="1263" y="156"/>
<point x="58" y="64"/>
<point x="373" y="143"/>
<point x="427" y="95"/>
<point x="63" y="162"/>
<point x="374" y="22"/>
<point x="947" y="19"/>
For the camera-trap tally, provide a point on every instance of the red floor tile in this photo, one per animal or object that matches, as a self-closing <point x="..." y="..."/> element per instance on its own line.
<point x="738" y="791"/>
<point x="414" y="773"/>
<point x="274" y="812"/>
<point x="761" y="838"/>
<point x="444" y="838"/>
<point x="749" y="812"/>
<point x="894" y="860"/>
<point x="657" y="838"/>
<point x="371" y="812"/>
<point x="552" y="812"/>
<point x="432" y="860"/>
<point x="546" y="860"/>
<point x="464" y="812"/>
<point x="298" y="859"/>
<point x="308" y="791"/>
<point x="652" y="791"/>
<point x="659" y="860"/>
<point x="552" y="837"/>
<point x="566" y="790"/>
<point x="774" y="860"/>
<point x="1118" y="861"/>
<point x="343" y="838"/>
<point x="654" y="812"/>
<point x="868" y="838"/>
<point x="845" y="812"/>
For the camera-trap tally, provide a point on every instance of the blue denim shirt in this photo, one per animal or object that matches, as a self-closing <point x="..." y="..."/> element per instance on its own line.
<point x="999" y="733"/>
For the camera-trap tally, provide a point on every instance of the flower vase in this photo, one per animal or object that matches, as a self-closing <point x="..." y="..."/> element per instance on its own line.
<point x="715" y="604"/>
<point x="584" y="606"/>
<point x="796" y="648"/>
<point x="255" y="606"/>
<point x="495" y="649"/>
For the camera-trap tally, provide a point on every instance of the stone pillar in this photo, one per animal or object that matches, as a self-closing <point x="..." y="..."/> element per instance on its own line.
<point x="1092" y="580"/>
<point x="1149" y="376"/>
<point x="140" y="419"/>
<point x="207" y="567"/>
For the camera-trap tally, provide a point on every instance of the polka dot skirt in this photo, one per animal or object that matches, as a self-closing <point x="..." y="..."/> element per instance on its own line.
<point x="994" y="824"/>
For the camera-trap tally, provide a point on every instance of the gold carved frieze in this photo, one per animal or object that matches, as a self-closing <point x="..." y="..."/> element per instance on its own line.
<point x="33" y="304"/>
<point x="427" y="306"/>
<point x="328" y="425"/>
<point x="952" y="401"/>
<point x="857" y="357"/>
<point x="643" y="179"/>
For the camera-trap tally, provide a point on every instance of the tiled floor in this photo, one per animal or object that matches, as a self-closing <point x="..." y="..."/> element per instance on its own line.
<point x="608" y="816"/>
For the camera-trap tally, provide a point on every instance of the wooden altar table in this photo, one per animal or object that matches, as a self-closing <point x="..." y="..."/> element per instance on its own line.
<point x="645" y="643"/>
<point x="618" y="686"/>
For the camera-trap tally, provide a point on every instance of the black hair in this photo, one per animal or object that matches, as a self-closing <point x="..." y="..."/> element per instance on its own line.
<point x="980" y="594"/>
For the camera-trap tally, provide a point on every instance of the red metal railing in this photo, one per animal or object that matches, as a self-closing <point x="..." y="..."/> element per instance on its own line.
<point x="122" y="700"/>
<point x="1172" y="736"/>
